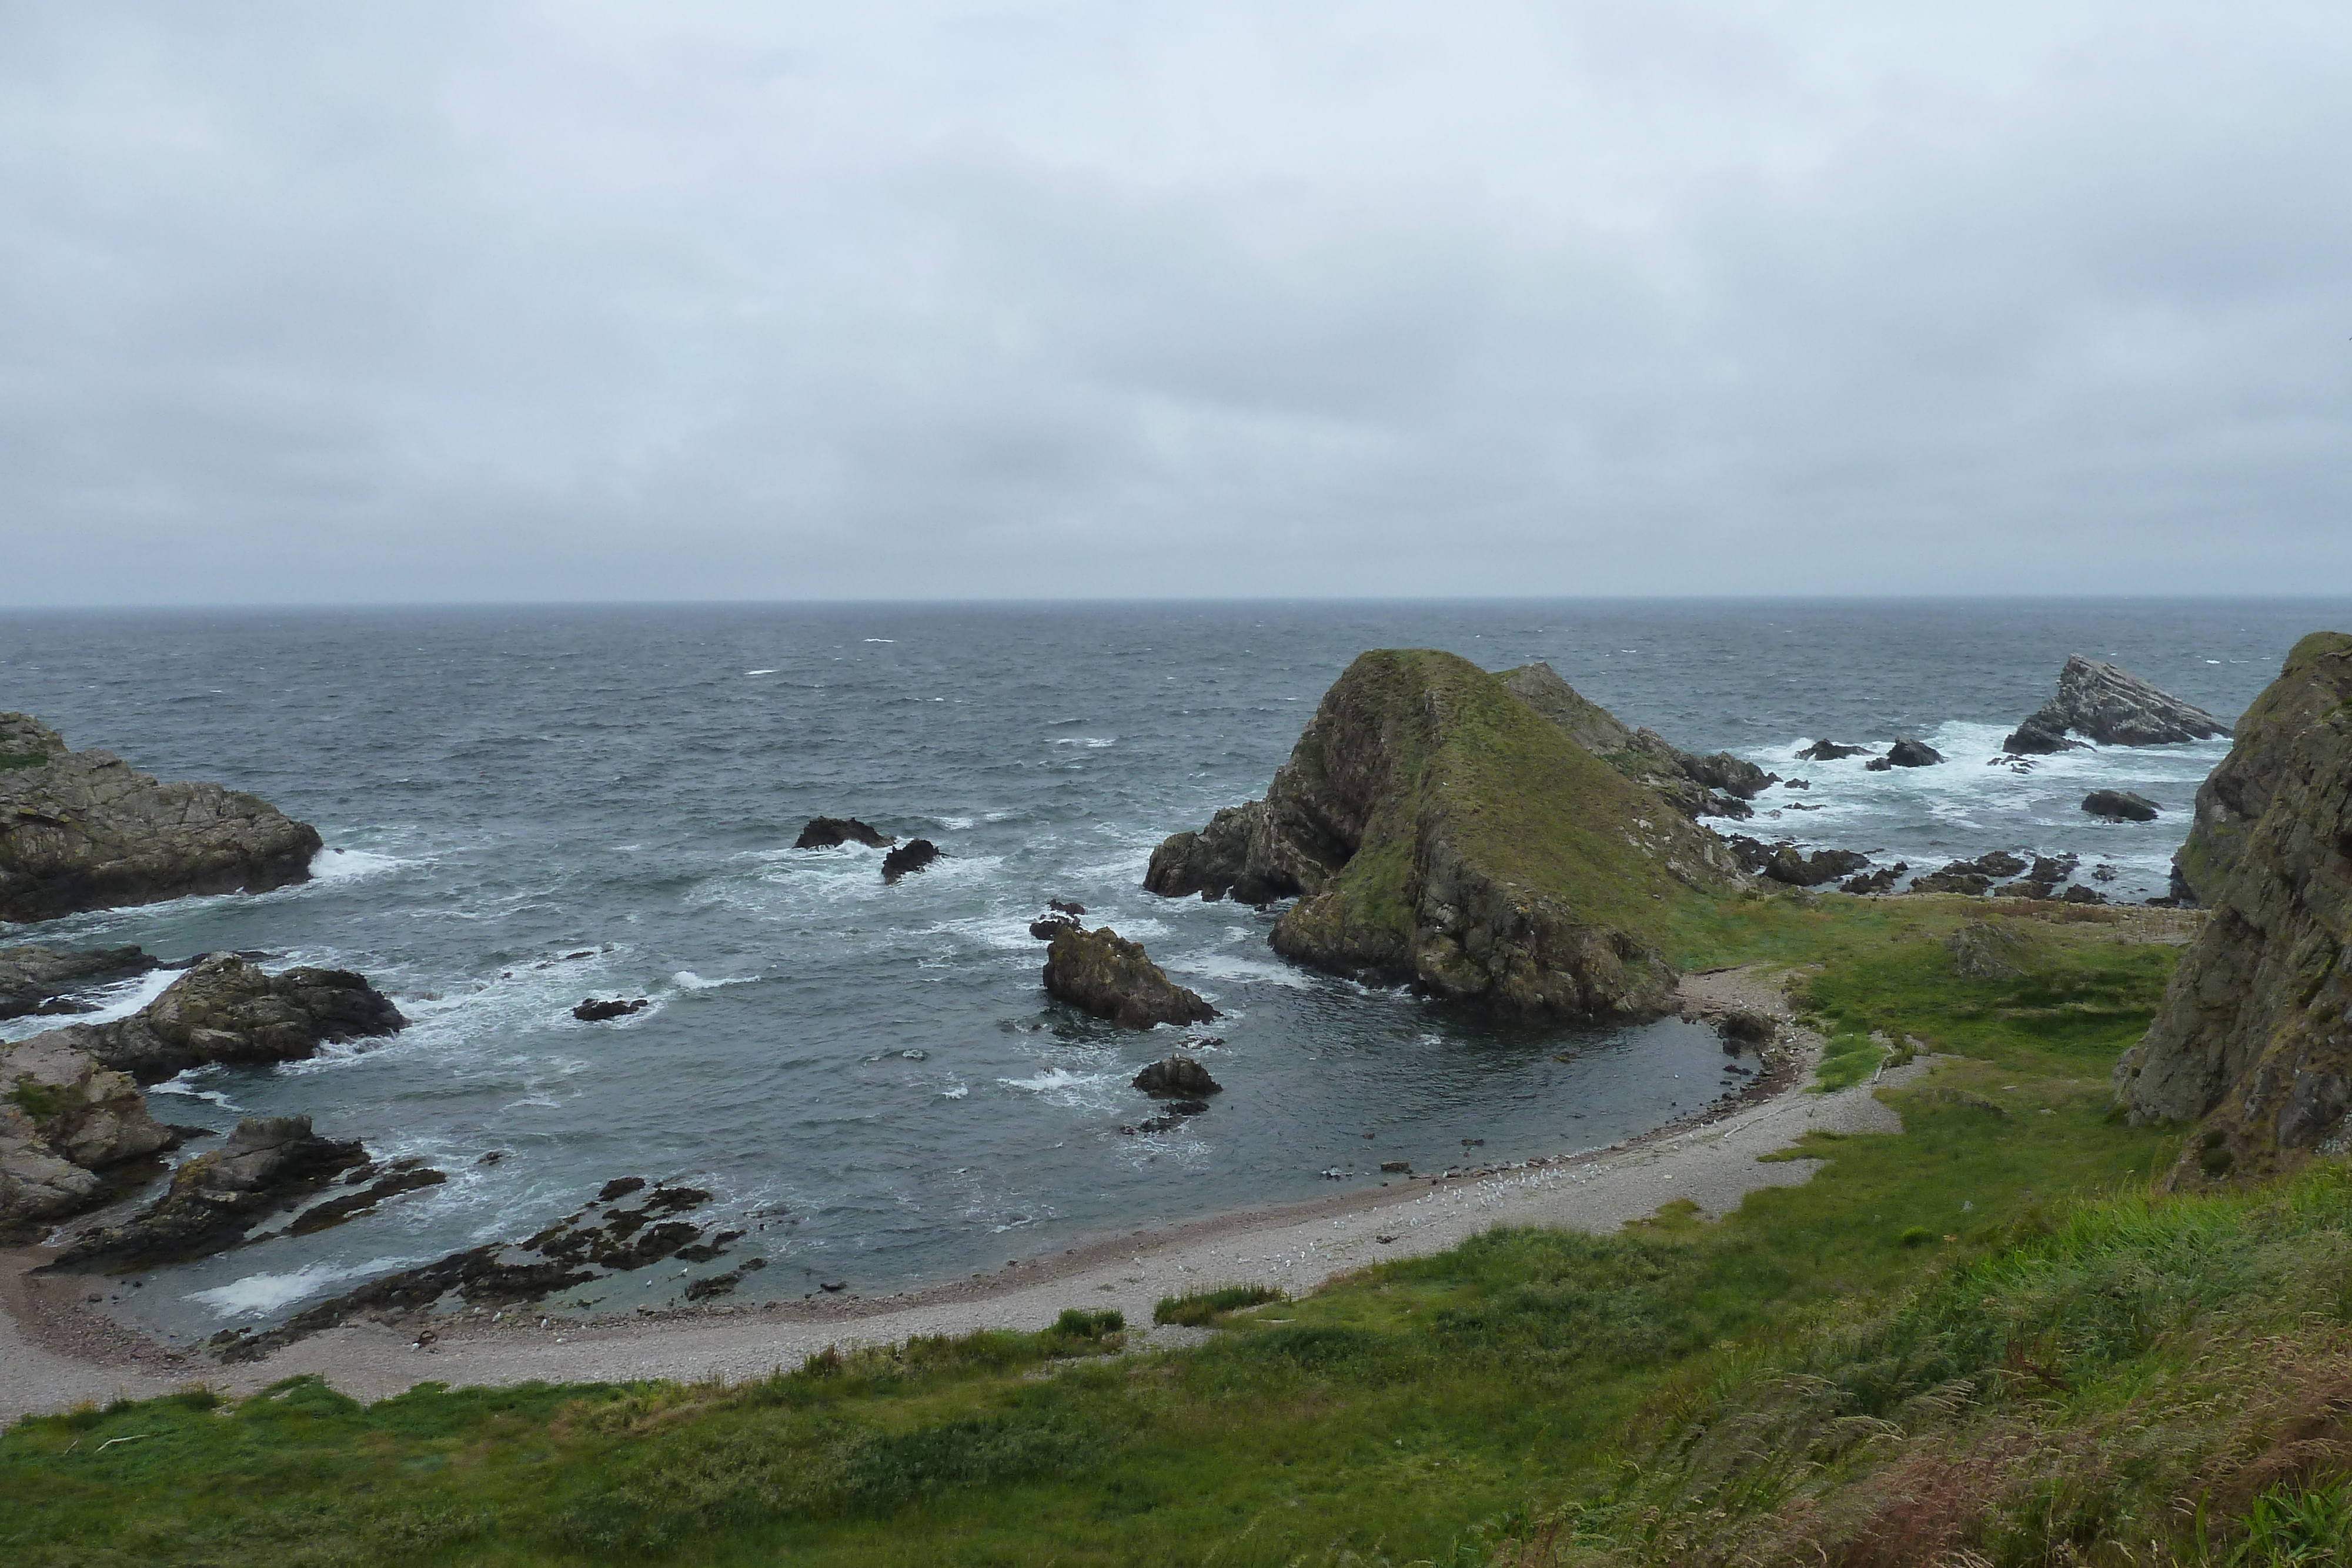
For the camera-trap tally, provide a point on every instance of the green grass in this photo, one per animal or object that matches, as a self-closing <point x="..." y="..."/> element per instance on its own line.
<point x="1198" y="1308"/>
<point x="41" y="1101"/>
<point x="13" y="761"/>
<point x="1431" y="1409"/>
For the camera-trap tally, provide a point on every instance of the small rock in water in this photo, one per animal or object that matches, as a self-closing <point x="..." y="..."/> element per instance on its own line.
<point x="1398" y="1167"/>
<point x="2120" y="806"/>
<point x="833" y="1285"/>
<point x="912" y="855"/>
<point x="1177" y="1075"/>
<point x="828" y="833"/>
<point x="1069" y="906"/>
<point x="593" y="1012"/>
<point x="1829" y="751"/>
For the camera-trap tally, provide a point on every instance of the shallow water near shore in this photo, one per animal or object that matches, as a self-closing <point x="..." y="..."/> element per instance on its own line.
<point x="527" y="806"/>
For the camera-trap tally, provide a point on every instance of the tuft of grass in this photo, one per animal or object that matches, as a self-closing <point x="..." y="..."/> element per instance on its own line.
<point x="13" y="761"/>
<point x="1196" y="1309"/>
<point x="41" y="1101"/>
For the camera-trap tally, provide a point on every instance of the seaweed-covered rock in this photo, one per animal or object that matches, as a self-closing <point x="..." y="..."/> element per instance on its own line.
<point x="2112" y="707"/>
<point x="1113" y="977"/>
<point x="227" y="1010"/>
<point x="912" y="855"/>
<point x="37" y="979"/>
<point x="1441" y="830"/>
<point x="83" y="830"/>
<point x="2253" y="1035"/>
<point x="269" y="1164"/>
<point x="831" y="832"/>
<point x="2120" y="806"/>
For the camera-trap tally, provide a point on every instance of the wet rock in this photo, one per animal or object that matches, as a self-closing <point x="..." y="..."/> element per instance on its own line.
<point x="1397" y="1167"/>
<point x="1046" y="929"/>
<point x="1789" y="867"/>
<point x="1953" y="878"/>
<point x="1827" y="750"/>
<point x="1112" y="978"/>
<point x="2112" y="707"/>
<point x="1065" y="907"/>
<point x="912" y="855"/>
<point x="591" y="1010"/>
<point x="830" y="832"/>
<point x="2120" y="806"/>
<point x="83" y="830"/>
<point x="2039" y="736"/>
<point x="1880" y="880"/>
<point x="350" y="1206"/>
<point x="2079" y="895"/>
<point x="269" y="1164"/>
<point x="1177" y="1076"/>
<point x="1796" y="783"/>
<point x="225" y="1008"/>
<point x="1907" y="754"/>
<point x="38" y="980"/>
<point x="1729" y="774"/>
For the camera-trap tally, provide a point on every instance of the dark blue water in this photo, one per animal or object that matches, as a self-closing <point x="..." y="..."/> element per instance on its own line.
<point x="872" y="1075"/>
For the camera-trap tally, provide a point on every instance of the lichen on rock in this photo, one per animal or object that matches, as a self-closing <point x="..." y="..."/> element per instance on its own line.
<point x="1440" y="828"/>
<point x="2254" y="1035"/>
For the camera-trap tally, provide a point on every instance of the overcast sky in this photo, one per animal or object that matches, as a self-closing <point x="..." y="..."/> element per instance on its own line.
<point x="316" y="302"/>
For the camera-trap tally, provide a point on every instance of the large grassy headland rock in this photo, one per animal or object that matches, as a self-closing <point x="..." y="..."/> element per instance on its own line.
<point x="2255" y="1033"/>
<point x="84" y="830"/>
<point x="1440" y="828"/>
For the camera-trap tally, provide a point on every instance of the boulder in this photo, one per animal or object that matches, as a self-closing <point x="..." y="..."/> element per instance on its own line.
<point x="1826" y="750"/>
<point x="1811" y="871"/>
<point x="83" y="830"/>
<point x="1441" y="831"/>
<point x="912" y="855"/>
<point x="38" y="980"/>
<point x="64" y="1118"/>
<point x="2112" y="707"/>
<point x="1907" y="754"/>
<point x="2039" y="736"/>
<point x="1177" y="1077"/>
<point x="1883" y="880"/>
<point x="227" y="1010"/>
<point x="2120" y="806"/>
<point x="831" y="832"/>
<point x="270" y="1164"/>
<point x="593" y="1012"/>
<point x="1112" y="978"/>
<point x="2250" y="1037"/>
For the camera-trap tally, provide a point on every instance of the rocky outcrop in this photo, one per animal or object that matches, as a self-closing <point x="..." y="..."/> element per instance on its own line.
<point x="64" y="1119"/>
<point x="1177" y="1077"/>
<point x="83" y="830"/>
<point x="591" y="1010"/>
<point x="1113" y="977"/>
<point x="2112" y="707"/>
<point x="912" y="855"/>
<point x="1795" y="870"/>
<point x="270" y="1164"/>
<point x="1827" y="750"/>
<point x="1440" y="829"/>
<point x="831" y="832"/>
<point x="2120" y="806"/>
<point x="42" y="979"/>
<point x="1906" y="754"/>
<point x="2254" y="1035"/>
<point x="1717" y="786"/>
<point x="227" y="1010"/>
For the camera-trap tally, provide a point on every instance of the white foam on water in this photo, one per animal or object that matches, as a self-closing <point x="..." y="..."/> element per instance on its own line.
<point x="878" y="639"/>
<point x="758" y="672"/>
<point x="956" y="1091"/>
<point x="1091" y="742"/>
<point x="688" y="980"/>
<point x="184" y="1084"/>
<point x="119" y="1000"/>
<point x="257" y="1295"/>
<point x="956" y="824"/>
<point x="350" y="865"/>
<point x="1072" y="1091"/>
<point x="1219" y="966"/>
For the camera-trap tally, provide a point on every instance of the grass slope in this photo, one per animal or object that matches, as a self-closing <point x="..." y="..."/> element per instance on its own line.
<point x="1474" y="1405"/>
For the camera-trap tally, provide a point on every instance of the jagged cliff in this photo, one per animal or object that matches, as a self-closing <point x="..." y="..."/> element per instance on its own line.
<point x="2112" y="707"/>
<point x="2255" y="1033"/>
<point x="1439" y="828"/>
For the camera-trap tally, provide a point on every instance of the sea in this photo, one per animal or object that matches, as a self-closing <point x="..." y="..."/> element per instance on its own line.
<point x="527" y="807"/>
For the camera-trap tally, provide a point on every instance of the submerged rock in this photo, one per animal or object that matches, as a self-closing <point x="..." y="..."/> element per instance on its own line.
<point x="1906" y="754"/>
<point x="83" y="830"/>
<point x="2251" y="1036"/>
<point x="1826" y="750"/>
<point x="2112" y="707"/>
<point x="1440" y="828"/>
<point x="1113" y="977"/>
<point x="269" y="1164"/>
<point x="1177" y="1076"/>
<point x="227" y="1010"/>
<point x="912" y="855"/>
<point x="34" y="979"/>
<point x="2120" y="806"/>
<point x="831" y="832"/>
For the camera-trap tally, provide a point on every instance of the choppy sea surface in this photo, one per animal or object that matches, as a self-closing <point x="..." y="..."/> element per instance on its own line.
<point x="527" y="807"/>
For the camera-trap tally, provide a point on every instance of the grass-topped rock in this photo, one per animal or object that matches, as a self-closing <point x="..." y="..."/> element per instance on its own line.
<point x="2252" y="1037"/>
<point x="1439" y="828"/>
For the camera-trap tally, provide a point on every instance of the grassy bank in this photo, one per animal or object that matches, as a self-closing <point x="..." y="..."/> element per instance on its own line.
<point x="1447" y="1409"/>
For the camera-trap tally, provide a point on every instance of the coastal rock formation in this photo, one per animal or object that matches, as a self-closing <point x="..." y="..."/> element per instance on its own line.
<point x="2112" y="707"/>
<point x="1827" y="750"/>
<point x="1112" y="978"/>
<point x="1883" y="880"/>
<point x="830" y="832"/>
<point x="83" y="830"/>
<point x="2253" y="1036"/>
<point x="1177" y="1077"/>
<point x="1906" y="754"/>
<point x="591" y="1010"/>
<point x="64" y="1118"/>
<point x="269" y="1164"/>
<point x="226" y="1009"/>
<point x="1811" y="871"/>
<point x="2120" y="806"/>
<point x="912" y="855"/>
<point x="1440" y="829"/>
<point x="1717" y="786"/>
<point x="38" y="980"/>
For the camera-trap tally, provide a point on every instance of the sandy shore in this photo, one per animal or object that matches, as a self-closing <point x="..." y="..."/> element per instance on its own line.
<point x="56" y="1352"/>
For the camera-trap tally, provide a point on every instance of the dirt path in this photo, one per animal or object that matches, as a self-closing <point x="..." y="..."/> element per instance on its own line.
<point x="54" y="1354"/>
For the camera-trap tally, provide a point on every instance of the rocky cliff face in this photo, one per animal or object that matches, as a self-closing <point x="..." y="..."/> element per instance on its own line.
<point x="2255" y="1033"/>
<point x="2112" y="707"/>
<point x="1440" y="828"/>
<point x="83" y="830"/>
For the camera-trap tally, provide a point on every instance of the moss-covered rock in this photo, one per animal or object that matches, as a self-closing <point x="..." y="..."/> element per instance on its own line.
<point x="1440" y="829"/>
<point x="1113" y="977"/>
<point x="2255" y="1033"/>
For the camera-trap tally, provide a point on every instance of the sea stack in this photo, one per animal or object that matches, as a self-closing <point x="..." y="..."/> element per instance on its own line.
<point x="83" y="830"/>
<point x="2112" y="707"/>
<point x="2252" y="1038"/>
<point x="1440" y="830"/>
